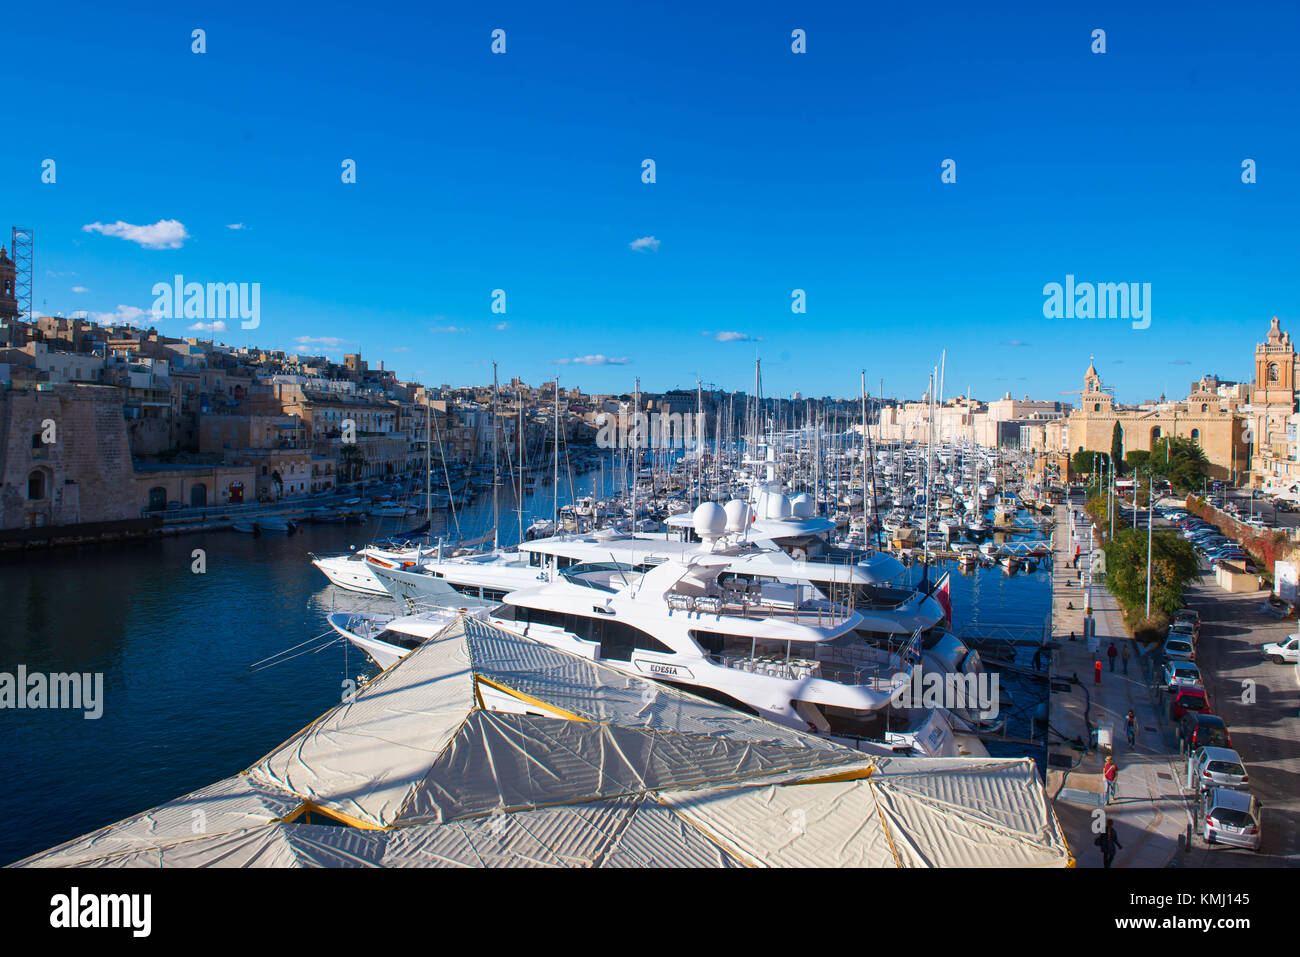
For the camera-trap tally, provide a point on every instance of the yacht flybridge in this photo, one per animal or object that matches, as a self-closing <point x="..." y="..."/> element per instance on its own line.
<point x="810" y="641"/>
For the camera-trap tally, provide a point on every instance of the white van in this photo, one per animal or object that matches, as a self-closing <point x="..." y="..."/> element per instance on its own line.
<point x="1286" y="651"/>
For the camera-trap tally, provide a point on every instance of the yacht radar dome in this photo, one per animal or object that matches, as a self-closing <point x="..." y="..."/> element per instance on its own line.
<point x="738" y="515"/>
<point x="778" y="506"/>
<point x="802" y="505"/>
<point x="710" y="521"/>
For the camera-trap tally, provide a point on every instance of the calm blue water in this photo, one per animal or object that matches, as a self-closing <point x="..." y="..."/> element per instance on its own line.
<point x="182" y="709"/>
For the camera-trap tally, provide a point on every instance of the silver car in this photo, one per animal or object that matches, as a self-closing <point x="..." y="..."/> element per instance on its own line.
<point x="1212" y="767"/>
<point x="1182" y="674"/>
<point x="1231" y="817"/>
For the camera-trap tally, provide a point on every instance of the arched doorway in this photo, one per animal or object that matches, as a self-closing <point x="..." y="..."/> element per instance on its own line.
<point x="157" y="498"/>
<point x="198" y="495"/>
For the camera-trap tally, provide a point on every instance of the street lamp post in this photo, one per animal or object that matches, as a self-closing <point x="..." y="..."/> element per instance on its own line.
<point x="1150" y="513"/>
<point x="1136" y="483"/>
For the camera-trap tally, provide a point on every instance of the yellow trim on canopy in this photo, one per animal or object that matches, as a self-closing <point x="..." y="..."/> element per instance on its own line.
<point x="310" y="807"/>
<point x="858" y="774"/>
<point x="529" y="699"/>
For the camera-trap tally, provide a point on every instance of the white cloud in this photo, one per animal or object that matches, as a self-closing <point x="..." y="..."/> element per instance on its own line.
<point x="217" y="326"/>
<point x="644" y="243"/>
<point x="236" y="226"/>
<point x="80" y="289"/>
<point x="735" y="337"/>
<point x="331" y="341"/>
<point x="401" y="348"/>
<point x="164" y="234"/>
<point x="596" y="360"/>
<point x="131" y="315"/>
<point x="502" y="326"/>
<point x="449" y="329"/>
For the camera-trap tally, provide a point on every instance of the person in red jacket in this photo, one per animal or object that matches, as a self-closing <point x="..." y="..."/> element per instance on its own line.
<point x="1112" y="653"/>
<point x="1111" y="773"/>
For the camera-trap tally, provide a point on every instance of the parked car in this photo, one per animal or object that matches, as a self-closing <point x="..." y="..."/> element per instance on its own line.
<point x="1189" y="699"/>
<point x="1284" y="652"/>
<point x="1201" y="730"/>
<point x="1232" y="558"/>
<point x="1211" y="767"/>
<point x="1178" y="648"/>
<point x="1182" y="674"/>
<point x="1189" y="616"/>
<point x="1231" y="817"/>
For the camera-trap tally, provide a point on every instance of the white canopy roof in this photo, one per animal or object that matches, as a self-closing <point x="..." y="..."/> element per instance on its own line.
<point x="485" y="748"/>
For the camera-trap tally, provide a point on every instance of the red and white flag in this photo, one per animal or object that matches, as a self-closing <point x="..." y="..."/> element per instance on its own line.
<point x="942" y="593"/>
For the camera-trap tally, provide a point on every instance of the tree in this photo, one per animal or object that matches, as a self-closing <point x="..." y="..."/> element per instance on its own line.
<point x="1084" y="461"/>
<point x="1173" y="566"/>
<point x="1117" y="448"/>
<point x="1181" y="461"/>
<point x="1137" y="459"/>
<point x="351" y="463"/>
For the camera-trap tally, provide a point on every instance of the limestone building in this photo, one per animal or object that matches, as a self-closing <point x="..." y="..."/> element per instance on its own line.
<point x="1272" y="406"/>
<point x="1206" y="417"/>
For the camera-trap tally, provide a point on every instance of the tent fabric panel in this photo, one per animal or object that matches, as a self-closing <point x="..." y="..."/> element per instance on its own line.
<point x="516" y="761"/>
<point x="233" y="804"/>
<point x="797" y="825"/>
<point x="362" y="758"/>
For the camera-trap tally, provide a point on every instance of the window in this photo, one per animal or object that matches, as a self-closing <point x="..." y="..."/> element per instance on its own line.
<point x="36" y="486"/>
<point x="617" y="640"/>
<point x="1096" y="407"/>
<point x="1196" y="435"/>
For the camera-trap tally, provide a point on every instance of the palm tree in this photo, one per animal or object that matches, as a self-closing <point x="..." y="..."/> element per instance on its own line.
<point x="352" y="462"/>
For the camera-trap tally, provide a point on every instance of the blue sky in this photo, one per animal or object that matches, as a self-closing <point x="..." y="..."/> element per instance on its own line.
<point x="775" y="171"/>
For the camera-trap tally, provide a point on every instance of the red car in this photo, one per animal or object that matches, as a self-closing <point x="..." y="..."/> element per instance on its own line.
<point x="1189" y="699"/>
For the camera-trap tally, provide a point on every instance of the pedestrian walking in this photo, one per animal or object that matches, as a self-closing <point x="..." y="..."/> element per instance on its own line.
<point x="1125" y="654"/>
<point x="1131" y="727"/>
<point x="1112" y="653"/>
<point x="1110" y="772"/>
<point x="1109" y="843"/>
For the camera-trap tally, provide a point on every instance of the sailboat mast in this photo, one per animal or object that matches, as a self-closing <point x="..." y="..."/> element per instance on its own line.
<point x="519" y="397"/>
<point x="863" y="459"/>
<point x="496" y="524"/>
<point x="428" y="468"/>
<point x="555" y="506"/>
<point x="636" y="449"/>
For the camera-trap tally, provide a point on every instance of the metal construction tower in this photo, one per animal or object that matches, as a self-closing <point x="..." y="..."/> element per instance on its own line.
<point x="23" y="240"/>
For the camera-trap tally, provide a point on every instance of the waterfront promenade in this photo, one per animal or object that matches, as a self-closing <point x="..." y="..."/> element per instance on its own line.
<point x="1149" y="810"/>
